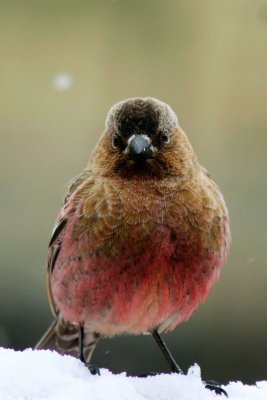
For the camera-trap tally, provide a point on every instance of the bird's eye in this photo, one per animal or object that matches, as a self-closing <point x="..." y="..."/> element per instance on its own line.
<point x="165" y="136"/>
<point x="115" y="141"/>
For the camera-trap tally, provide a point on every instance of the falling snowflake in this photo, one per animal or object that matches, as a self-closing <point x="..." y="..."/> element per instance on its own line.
<point x="62" y="82"/>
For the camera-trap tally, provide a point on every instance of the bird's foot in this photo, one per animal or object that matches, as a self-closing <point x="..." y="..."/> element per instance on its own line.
<point x="215" y="387"/>
<point x="92" y="368"/>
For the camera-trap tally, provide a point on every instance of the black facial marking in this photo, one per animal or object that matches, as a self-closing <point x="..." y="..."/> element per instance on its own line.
<point x="138" y="117"/>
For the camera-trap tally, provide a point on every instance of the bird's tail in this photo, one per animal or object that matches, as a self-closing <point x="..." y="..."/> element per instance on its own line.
<point x="64" y="338"/>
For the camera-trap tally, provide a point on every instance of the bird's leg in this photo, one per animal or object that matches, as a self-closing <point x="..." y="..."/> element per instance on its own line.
<point x="81" y="339"/>
<point x="92" y="368"/>
<point x="211" y="385"/>
<point x="167" y="354"/>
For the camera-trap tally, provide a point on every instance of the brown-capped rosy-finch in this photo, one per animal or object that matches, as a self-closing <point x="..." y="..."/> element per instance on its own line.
<point x="141" y="236"/>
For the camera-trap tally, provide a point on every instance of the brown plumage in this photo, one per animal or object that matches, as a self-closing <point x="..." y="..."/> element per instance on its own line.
<point x="142" y="234"/>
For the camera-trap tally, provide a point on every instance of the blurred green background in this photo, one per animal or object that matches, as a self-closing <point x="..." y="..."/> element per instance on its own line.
<point x="208" y="60"/>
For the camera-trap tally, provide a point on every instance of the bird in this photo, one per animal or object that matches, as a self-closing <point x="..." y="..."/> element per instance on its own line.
<point x="140" y="238"/>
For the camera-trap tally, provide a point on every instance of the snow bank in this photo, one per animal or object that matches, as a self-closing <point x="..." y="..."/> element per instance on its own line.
<point x="43" y="375"/>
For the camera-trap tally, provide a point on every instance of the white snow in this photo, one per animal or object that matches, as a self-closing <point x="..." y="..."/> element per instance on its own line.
<point x="62" y="81"/>
<point x="45" y="375"/>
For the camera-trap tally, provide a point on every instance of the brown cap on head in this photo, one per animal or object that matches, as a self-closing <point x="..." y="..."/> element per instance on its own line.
<point x="140" y="115"/>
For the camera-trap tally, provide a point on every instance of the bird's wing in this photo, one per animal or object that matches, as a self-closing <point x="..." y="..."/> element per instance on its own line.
<point x="58" y="232"/>
<point x="63" y="336"/>
<point x="76" y="182"/>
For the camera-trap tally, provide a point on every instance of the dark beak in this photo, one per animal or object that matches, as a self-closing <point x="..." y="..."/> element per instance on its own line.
<point x="140" y="148"/>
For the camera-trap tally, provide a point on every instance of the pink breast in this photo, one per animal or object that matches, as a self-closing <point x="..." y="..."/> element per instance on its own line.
<point x="148" y="286"/>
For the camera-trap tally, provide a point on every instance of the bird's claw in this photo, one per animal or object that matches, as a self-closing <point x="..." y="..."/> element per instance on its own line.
<point x="216" y="387"/>
<point x="93" y="369"/>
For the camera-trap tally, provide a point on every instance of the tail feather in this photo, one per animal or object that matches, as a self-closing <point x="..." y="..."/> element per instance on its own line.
<point x="64" y="338"/>
<point x="48" y="340"/>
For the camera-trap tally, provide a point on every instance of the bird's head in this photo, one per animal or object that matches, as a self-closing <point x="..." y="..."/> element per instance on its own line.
<point x="142" y="139"/>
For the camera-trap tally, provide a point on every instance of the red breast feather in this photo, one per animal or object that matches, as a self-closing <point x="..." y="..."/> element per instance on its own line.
<point x="139" y="254"/>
